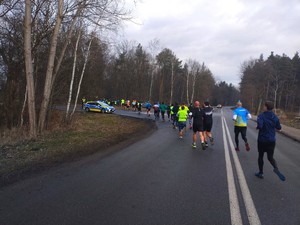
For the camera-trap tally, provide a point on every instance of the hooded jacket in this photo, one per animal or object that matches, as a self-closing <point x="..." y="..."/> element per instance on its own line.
<point x="267" y="123"/>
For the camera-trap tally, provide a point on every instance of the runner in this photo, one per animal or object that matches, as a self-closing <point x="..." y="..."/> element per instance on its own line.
<point x="207" y="123"/>
<point x="139" y="106"/>
<point x="162" y="108"/>
<point x="197" y="115"/>
<point x="169" y="111"/>
<point x="148" y="108"/>
<point x="122" y="102"/>
<point x="175" y="118"/>
<point x="241" y="116"/>
<point x="134" y="105"/>
<point x="83" y="101"/>
<point x="185" y="108"/>
<point x="156" y="111"/>
<point x="191" y="107"/>
<point x="267" y="124"/>
<point x="182" y="117"/>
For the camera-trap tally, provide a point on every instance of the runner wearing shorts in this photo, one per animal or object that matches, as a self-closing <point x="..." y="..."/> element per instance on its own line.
<point x="207" y="123"/>
<point x="182" y="117"/>
<point x="198" y="115"/>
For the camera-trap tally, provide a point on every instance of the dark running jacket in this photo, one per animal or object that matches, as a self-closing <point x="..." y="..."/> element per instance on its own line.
<point x="267" y="123"/>
<point x="207" y="117"/>
<point x="198" y="115"/>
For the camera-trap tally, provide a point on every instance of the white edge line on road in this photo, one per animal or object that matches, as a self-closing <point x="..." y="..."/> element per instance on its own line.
<point x="249" y="204"/>
<point x="235" y="212"/>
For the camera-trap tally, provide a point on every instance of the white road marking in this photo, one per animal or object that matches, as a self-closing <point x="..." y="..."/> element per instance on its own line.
<point x="248" y="201"/>
<point x="235" y="212"/>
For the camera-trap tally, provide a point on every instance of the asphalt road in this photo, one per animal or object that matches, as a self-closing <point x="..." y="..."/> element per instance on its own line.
<point x="162" y="180"/>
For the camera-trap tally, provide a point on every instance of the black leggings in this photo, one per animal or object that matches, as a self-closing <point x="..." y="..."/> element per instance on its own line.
<point x="269" y="148"/>
<point x="241" y="130"/>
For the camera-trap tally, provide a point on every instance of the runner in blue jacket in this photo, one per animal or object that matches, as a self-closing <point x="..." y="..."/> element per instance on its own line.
<point x="267" y="124"/>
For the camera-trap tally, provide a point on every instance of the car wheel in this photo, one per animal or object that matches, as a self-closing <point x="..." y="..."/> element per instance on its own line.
<point x="87" y="109"/>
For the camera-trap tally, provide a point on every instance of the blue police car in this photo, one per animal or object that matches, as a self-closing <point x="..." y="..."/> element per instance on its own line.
<point x="98" y="106"/>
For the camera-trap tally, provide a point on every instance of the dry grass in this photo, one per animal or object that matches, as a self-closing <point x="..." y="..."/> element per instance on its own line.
<point x="88" y="133"/>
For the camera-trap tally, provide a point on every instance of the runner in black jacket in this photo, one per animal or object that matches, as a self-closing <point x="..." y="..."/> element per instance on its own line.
<point x="207" y="123"/>
<point x="197" y="115"/>
<point x="174" y="113"/>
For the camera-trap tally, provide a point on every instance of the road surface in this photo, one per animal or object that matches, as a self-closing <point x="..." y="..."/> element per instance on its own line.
<point x="161" y="180"/>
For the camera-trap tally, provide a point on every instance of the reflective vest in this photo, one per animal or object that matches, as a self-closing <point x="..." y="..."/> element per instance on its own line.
<point x="171" y="108"/>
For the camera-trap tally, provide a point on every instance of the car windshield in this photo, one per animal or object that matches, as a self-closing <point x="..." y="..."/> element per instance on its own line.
<point x="103" y="104"/>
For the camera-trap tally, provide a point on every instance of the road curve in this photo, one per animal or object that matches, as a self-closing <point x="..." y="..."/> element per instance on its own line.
<point x="162" y="180"/>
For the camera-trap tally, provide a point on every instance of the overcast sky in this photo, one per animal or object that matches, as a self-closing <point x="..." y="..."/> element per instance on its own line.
<point x="221" y="33"/>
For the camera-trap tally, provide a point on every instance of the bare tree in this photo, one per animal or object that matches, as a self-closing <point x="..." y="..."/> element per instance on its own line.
<point x="153" y="48"/>
<point x="82" y="73"/>
<point x="7" y="6"/>
<point x="29" y="70"/>
<point x="49" y="74"/>
<point x="193" y="71"/>
<point x="73" y="74"/>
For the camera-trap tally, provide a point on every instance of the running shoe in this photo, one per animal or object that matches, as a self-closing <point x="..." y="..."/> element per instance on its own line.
<point x="206" y="144"/>
<point x="259" y="175"/>
<point x="247" y="147"/>
<point x="237" y="149"/>
<point x="211" y="140"/>
<point x="203" y="146"/>
<point x="280" y="175"/>
<point x="194" y="145"/>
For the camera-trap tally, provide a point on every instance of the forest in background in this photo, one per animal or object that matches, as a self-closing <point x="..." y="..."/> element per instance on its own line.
<point x="277" y="79"/>
<point x="54" y="53"/>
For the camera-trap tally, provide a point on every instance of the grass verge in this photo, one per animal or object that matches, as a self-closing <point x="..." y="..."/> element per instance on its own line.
<point x="87" y="134"/>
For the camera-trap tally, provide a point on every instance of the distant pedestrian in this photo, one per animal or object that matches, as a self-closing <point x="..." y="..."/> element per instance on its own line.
<point x="197" y="115"/>
<point x="83" y="101"/>
<point x="241" y="117"/>
<point x="267" y="124"/>
<point x="208" y="122"/>
<point x="139" y="107"/>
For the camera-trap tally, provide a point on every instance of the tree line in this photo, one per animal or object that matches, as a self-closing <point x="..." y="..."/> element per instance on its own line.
<point x="56" y="52"/>
<point x="277" y="79"/>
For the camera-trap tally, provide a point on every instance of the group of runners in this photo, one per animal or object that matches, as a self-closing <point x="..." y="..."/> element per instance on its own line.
<point x="200" y="119"/>
<point x="267" y="124"/>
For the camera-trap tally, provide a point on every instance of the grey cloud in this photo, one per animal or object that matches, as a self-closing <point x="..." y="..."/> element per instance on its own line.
<point x="223" y="41"/>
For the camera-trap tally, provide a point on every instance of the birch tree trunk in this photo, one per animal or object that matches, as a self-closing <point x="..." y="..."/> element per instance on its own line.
<point x="72" y="78"/>
<point x="81" y="77"/>
<point x="69" y="35"/>
<point x="151" y="84"/>
<point x="161" y="86"/>
<point x="172" y="80"/>
<point x="49" y="74"/>
<point x="275" y="94"/>
<point x="193" y="85"/>
<point x="187" y="87"/>
<point x="29" y="70"/>
<point x="23" y="107"/>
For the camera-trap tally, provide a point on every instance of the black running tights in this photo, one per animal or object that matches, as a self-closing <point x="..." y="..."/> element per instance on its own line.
<point x="269" y="148"/>
<point x="237" y="131"/>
